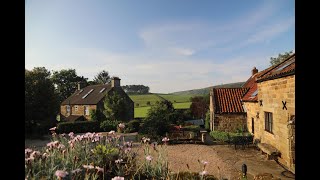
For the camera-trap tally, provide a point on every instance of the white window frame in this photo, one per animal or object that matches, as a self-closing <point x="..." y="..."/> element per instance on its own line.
<point x="68" y="109"/>
<point x="86" y="110"/>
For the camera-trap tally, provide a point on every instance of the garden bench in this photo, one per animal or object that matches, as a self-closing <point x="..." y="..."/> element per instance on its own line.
<point x="270" y="150"/>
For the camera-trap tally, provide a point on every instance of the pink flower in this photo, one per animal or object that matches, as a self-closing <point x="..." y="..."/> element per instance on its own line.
<point x="204" y="162"/>
<point x="203" y="173"/>
<point x="76" y="171"/>
<point x="99" y="169"/>
<point x="118" y="178"/>
<point x="71" y="134"/>
<point x="88" y="166"/>
<point x="53" y="128"/>
<point x="35" y="154"/>
<point x="118" y="161"/>
<point x="149" y="158"/>
<point x="111" y="132"/>
<point x="127" y="150"/>
<point x="165" y="139"/>
<point x="121" y="125"/>
<point x="60" y="173"/>
<point x="28" y="150"/>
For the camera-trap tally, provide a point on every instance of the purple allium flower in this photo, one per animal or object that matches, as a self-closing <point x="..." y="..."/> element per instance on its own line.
<point x="118" y="161"/>
<point x="63" y="134"/>
<point x="149" y="158"/>
<point x="88" y="166"/>
<point x="203" y="173"/>
<point x="76" y="171"/>
<point x="99" y="169"/>
<point x="45" y="155"/>
<point x="127" y="150"/>
<point x="53" y="128"/>
<point x="60" y="173"/>
<point x="71" y="134"/>
<point x="118" y="178"/>
<point x="35" y="154"/>
<point x="61" y="146"/>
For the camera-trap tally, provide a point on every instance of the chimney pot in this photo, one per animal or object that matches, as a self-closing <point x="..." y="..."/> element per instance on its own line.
<point x="254" y="70"/>
<point x="115" y="82"/>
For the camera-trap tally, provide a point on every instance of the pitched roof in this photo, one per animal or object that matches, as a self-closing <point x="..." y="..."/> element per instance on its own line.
<point x="282" y="69"/>
<point x="285" y="68"/>
<point x="94" y="95"/>
<point x="228" y="100"/>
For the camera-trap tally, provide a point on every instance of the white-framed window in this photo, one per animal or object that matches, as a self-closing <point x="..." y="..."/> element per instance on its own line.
<point x="68" y="108"/>
<point x="86" y="110"/>
<point x="76" y="108"/>
<point x="268" y="121"/>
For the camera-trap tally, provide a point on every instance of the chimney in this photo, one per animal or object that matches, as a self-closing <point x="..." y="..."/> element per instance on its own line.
<point x="115" y="82"/>
<point x="254" y="70"/>
<point x="79" y="85"/>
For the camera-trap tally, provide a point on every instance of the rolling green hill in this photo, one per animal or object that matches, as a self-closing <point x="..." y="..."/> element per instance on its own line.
<point x="204" y="91"/>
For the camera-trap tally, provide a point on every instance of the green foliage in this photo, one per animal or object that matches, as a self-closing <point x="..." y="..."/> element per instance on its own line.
<point x="193" y="128"/>
<point x="103" y="154"/>
<point x="41" y="102"/>
<point x="115" y="107"/>
<point x="207" y="121"/>
<point x="133" y="126"/>
<point x="280" y="58"/>
<point x="96" y="115"/>
<point x="199" y="106"/>
<point x="230" y="137"/>
<point x="66" y="81"/>
<point x="102" y="78"/>
<point x="78" y="127"/>
<point x="158" y="119"/>
<point x="136" y="89"/>
<point x="108" y="125"/>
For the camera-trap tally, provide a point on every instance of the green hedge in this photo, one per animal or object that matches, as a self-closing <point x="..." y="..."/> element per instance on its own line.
<point x="193" y="128"/>
<point x="133" y="126"/>
<point x="234" y="138"/>
<point x="78" y="127"/>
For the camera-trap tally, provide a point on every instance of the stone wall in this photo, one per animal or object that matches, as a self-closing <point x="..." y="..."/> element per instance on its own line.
<point x="79" y="112"/>
<point x="273" y="93"/>
<point x="253" y="112"/>
<point x="229" y="122"/>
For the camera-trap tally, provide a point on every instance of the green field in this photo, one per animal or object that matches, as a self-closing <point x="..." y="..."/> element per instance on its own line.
<point x="185" y="105"/>
<point x="176" y="98"/>
<point x="141" y="112"/>
<point x="143" y="99"/>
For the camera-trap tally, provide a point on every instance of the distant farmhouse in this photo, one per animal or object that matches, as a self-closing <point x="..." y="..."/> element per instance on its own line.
<point x="77" y="106"/>
<point x="270" y="106"/>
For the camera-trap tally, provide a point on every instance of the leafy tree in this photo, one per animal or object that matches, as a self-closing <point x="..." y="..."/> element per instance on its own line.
<point x="41" y="103"/>
<point x="115" y="107"/>
<point x="280" y="58"/>
<point x="199" y="106"/>
<point x="136" y="89"/>
<point x="66" y="81"/>
<point x="158" y="119"/>
<point x="207" y="121"/>
<point x="102" y="77"/>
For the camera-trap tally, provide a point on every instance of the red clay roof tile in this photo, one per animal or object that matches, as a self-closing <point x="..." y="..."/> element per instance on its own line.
<point x="228" y="100"/>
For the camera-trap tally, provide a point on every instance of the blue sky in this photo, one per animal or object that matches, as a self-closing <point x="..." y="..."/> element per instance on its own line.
<point x="168" y="45"/>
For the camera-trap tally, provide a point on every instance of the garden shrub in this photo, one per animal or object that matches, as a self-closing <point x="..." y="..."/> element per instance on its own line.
<point x="193" y="128"/>
<point x="234" y="138"/>
<point x="108" y="125"/>
<point x="78" y="127"/>
<point x="133" y="125"/>
<point x="219" y="136"/>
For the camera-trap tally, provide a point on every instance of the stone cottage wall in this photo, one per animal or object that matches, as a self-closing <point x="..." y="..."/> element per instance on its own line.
<point x="63" y="110"/>
<point x="229" y="122"/>
<point x="273" y="93"/>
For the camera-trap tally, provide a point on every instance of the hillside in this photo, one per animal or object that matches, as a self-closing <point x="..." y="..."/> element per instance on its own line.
<point x="204" y="91"/>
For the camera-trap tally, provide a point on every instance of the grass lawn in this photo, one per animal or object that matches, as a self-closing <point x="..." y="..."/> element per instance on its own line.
<point x="141" y="112"/>
<point x="176" y="98"/>
<point x="185" y="105"/>
<point x="143" y="99"/>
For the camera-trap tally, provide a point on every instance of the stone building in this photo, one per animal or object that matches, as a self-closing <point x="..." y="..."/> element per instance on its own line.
<point x="78" y="105"/>
<point x="226" y="111"/>
<point x="270" y="106"/>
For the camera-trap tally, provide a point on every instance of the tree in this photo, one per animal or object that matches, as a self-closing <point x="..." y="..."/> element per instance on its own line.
<point x="115" y="107"/>
<point x="136" y="89"/>
<point x="66" y="82"/>
<point x="280" y="58"/>
<point x="41" y="101"/>
<point x="102" y="77"/>
<point x="199" y="106"/>
<point x="158" y="119"/>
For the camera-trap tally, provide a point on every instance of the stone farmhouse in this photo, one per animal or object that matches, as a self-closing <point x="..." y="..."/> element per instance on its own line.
<point x="78" y="105"/>
<point x="226" y="111"/>
<point x="270" y="107"/>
